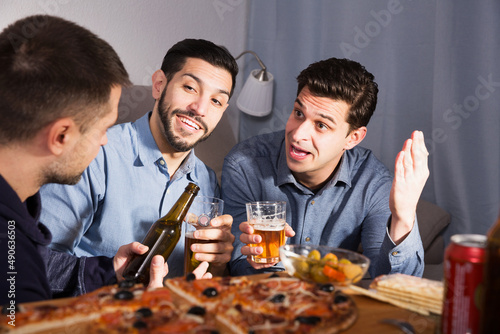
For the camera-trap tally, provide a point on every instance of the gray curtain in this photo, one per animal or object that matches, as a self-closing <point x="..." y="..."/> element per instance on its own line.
<point x="437" y="64"/>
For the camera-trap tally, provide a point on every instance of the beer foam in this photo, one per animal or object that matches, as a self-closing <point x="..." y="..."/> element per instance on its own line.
<point x="271" y="225"/>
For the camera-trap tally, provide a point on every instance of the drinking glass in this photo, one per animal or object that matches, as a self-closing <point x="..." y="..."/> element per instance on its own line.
<point x="201" y="212"/>
<point x="268" y="219"/>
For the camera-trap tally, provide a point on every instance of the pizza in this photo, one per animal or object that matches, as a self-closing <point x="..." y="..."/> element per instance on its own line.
<point x="277" y="304"/>
<point x="273" y="304"/>
<point x="76" y="313"/>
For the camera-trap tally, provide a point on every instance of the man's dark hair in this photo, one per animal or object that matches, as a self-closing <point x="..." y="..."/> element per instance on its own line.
<point x="52" y="68"/>
<point x="213" y="54"/>
<point x="344" y="80"/>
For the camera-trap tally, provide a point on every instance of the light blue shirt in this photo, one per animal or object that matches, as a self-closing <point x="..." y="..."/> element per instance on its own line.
<point x="121" y="194"/>
<point x="350" y="209"/>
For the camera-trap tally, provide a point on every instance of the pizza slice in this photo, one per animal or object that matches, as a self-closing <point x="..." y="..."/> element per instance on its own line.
<point x="193" y="320"/>
<point x="209" y="293"/>
<point x="73" y="315"/>
<point x="284" y="304"/>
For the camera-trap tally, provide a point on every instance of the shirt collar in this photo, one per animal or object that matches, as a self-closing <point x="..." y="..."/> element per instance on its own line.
<point x="284" y="174"/>
<point x="148" y="151"/>
<point x="187" y="166"/>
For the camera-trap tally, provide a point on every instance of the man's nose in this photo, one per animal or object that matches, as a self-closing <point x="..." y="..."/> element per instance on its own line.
<point x="199" y="106"/>
<point x="302" y="132"/>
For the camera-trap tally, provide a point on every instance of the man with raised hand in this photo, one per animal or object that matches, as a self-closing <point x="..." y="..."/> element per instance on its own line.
<point x="337" y="193"/>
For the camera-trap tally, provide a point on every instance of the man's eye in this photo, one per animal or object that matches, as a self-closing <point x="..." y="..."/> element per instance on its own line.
<point x="298" y="113"/>
<point x="187" y="87"/>
<point x="322" y="126"/>
<point x="217" y="102"/>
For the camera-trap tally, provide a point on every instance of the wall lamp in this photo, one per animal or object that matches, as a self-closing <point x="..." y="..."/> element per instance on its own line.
<point x="256" y="96"/>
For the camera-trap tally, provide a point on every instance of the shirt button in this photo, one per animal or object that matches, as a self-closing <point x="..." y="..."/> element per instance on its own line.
<point x="308" y="239"/>
<point x="162" y="162"/>
<point x="394" y="253"/>
<point x="312" y="202"/>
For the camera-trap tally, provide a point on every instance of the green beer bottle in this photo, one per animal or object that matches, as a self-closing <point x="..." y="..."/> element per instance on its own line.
<point x="161" y="237"/>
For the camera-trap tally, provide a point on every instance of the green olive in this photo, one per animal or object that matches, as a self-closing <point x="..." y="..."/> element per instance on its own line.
<point x="314" y="254"/>
<point x="302" y="267"/>
<point x="317" y="274"/>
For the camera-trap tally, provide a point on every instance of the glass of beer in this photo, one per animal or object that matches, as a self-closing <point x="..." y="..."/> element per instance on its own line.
<point x="201" y="212"/>
<point x="268" y="220"/>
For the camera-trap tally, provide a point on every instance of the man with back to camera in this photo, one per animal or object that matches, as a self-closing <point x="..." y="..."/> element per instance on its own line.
<point x="337" y="193"/>
<point x="59" y="92"/>
<point x="141" y="172"/>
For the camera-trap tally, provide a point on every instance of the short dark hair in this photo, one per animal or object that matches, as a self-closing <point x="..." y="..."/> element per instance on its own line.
<point x="52" y="68"/>
<point x="213" y="54"/>
<point x="345" y="80"/>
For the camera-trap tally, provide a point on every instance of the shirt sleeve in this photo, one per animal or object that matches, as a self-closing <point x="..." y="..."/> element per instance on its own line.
<point x="408" y="256"/>
<point x="236" y="191"/>
<point x="71" y="276"/>
<point x="386" y="257"/>
<point x="69" y="210"/>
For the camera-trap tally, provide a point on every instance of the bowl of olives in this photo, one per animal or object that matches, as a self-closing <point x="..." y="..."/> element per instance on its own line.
<point x="324" y="264"/>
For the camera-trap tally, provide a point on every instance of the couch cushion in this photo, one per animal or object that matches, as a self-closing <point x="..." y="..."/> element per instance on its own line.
<point x="432" y="220"/>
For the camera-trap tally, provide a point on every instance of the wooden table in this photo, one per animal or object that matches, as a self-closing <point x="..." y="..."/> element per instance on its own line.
<point x="371" y="312"/>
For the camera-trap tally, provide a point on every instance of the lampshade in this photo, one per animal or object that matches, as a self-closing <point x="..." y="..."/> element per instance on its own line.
<point x="256" y="96"/>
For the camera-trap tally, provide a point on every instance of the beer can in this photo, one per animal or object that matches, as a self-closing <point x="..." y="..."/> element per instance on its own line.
<point x="463" y="274"/>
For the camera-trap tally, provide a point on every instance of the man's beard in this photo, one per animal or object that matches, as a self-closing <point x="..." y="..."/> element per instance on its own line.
<point x="53" y="175"/>
<point x="178" y="143"/>
<point x="67" y="170"/>
<point x="63" y="179"/>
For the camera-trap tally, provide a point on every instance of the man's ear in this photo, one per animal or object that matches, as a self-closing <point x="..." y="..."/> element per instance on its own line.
<point x="61" y="133"/>
<point x="355" y="137"/>
<point x="159" y="82"/>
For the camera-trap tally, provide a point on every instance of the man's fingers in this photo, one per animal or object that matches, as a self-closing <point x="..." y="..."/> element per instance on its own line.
<point x="220" y="234"/>
<point x="247" y="250"/>
<point x="140" y="248"/>
<point x="250" y="238"/>
<point x="224" y="220"/>
<point x="133" y="248"/>
<point x="207" y="275"/>
<point x="419" y="152"/>
<point x="408" y="160"/>
<point x="245" y="227"/>
<point x="259" y="265"/>
<point x="201" y="270"/>
<point x="158" y="270"/>
<point x="399" y="171"/>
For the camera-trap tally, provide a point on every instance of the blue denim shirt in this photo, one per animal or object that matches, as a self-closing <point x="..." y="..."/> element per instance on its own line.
<point x="121" y="194"/>
<point x="350" y="209"/>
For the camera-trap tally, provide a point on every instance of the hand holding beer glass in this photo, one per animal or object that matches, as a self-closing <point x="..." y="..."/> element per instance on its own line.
<point x="268" y="220"/>
<point x="201" y="212"/>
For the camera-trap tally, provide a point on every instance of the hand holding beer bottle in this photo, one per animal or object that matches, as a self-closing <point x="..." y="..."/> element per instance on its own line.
<point x="159" y="268"/>
<point x="161" y="237"/>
